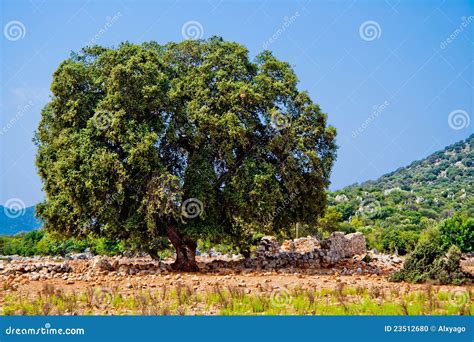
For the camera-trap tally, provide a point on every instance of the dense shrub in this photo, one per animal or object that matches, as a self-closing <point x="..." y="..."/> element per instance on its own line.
<point x="23" y="244"/>
<point x="458" y="230"/>
<point x="447" y="270"/>
<point x="430" y="261"/>
<point x="398" y="240"/>
<point x="330" y="220"/>
<point x="41" y="243"/>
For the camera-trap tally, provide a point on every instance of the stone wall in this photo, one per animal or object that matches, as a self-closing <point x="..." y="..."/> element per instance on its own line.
<point x="307" y="252"/>
<point x="304" y="253"/>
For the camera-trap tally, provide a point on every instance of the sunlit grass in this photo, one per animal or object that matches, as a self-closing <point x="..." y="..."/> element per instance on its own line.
<point x="231" y="300"/>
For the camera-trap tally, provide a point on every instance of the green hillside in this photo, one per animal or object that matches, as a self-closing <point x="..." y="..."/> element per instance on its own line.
<point x="394" y="209"/>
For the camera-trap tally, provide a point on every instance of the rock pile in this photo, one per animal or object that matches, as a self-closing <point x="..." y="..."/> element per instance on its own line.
<point x="86" y="255"/>
<point x="309" y="251"/>
<point x="301" y="245"/>
<point x="333" y="248"/>
<point x="304" y="254"/>
<point x="339" y="246"/>
<point x="51" y="268"/>
<point x="102" y="264"/>
<point x="130" y="268"/>
<point x="268" y="246"/>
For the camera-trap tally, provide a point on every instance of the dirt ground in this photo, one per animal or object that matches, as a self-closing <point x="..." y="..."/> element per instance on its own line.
<point x="248" y="281"/>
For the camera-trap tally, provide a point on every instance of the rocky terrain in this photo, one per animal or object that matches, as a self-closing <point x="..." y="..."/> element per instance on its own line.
<point x="305" y="264"/>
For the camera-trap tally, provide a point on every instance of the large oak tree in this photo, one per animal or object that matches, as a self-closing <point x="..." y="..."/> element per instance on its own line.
<point x="185" y="140"/>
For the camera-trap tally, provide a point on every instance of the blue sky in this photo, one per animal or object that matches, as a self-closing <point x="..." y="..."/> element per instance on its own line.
<point x="387" y="73"/>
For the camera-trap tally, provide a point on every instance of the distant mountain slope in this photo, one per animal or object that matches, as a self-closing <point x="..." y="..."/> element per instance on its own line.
<point x="441" y="182"/>
<point x="451" y="169"/>
<point x="11" y="224"/>
<point x="393" y="210"/>
<point x="411" y="198"/>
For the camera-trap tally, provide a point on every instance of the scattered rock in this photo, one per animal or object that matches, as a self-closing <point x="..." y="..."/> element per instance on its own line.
<point x="102" y="264"/>
<point x="308" y="255"/>
<point x="397" y="260"/>
<point x="86" y="255"/>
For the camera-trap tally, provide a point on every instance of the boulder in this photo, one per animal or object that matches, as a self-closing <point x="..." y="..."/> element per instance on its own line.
<point x="306" y="244"/>
<point x="355" y="244"/>
<point x="102" y="264"/>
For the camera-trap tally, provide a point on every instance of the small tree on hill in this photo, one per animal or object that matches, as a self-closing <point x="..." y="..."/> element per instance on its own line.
<point x="185" y="140"/>
<point x="458" y="230"/>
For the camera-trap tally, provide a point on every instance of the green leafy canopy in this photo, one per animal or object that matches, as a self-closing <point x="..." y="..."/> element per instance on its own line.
<point x="132" y="134"/>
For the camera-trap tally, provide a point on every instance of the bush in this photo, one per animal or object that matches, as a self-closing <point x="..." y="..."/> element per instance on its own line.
<point x="24" y="244"/>
<point x="52" y="245"/>
<point x="330" y="221"/>
<point x="447" y="270"/>
<point x="430" y="262"/>
<point x="103" y="246"/>
<point x="458" y="230"/>
<point x="38" y="242"/>
<point x="346" y="227"/>
<point x="398" y="240"/>
<point x="383" y="213"/>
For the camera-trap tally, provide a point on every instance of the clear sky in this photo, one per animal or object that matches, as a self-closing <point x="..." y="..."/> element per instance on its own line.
<point x="387" y="73"/>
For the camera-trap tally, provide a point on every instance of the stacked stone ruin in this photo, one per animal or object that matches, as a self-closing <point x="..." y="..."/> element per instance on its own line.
<point x="304" y="253"/>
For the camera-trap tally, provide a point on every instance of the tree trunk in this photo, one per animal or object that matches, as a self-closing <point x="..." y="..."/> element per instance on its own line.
<point x="185" y="252"/>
